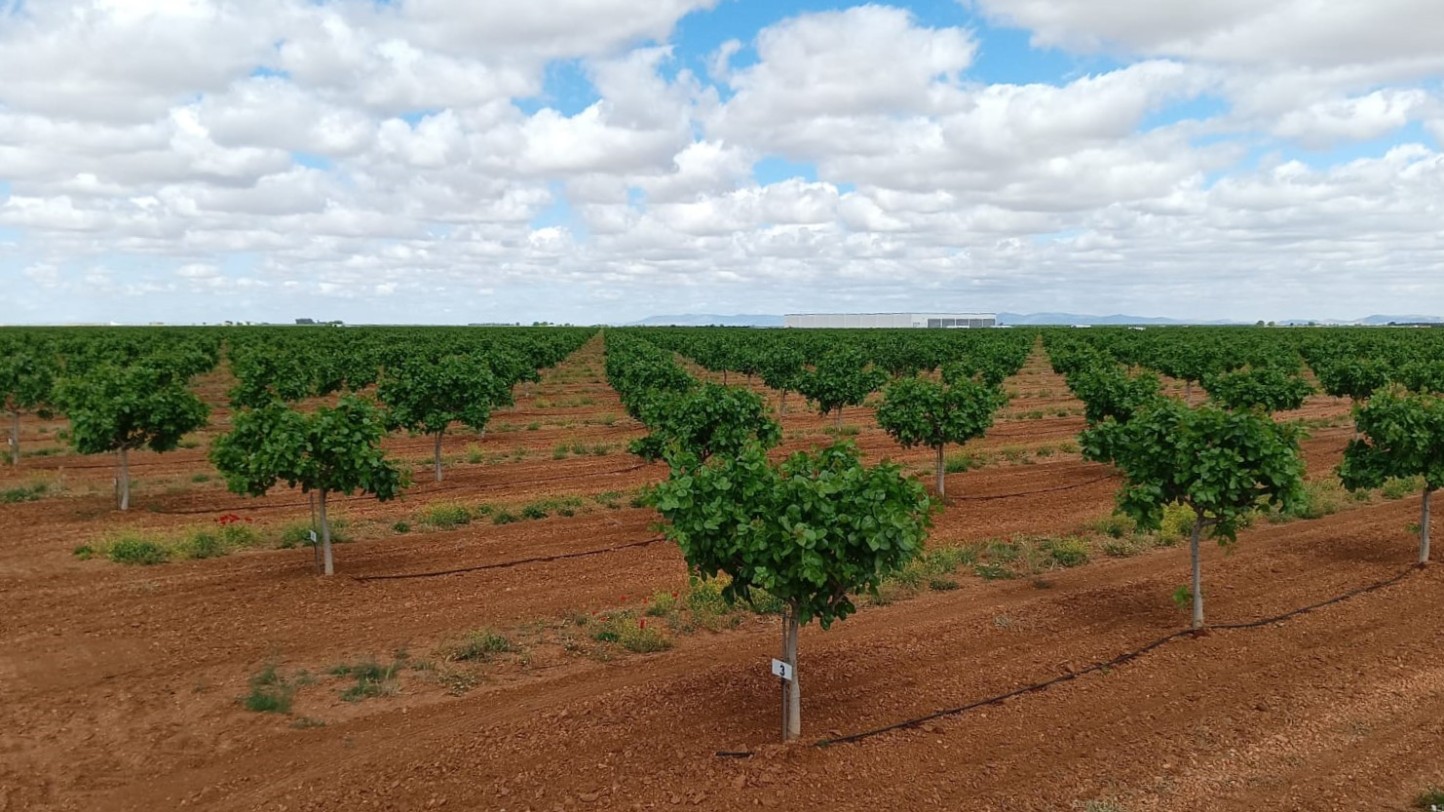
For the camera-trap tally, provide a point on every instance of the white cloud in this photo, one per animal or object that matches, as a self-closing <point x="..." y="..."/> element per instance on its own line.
<point x="396" y="151"/>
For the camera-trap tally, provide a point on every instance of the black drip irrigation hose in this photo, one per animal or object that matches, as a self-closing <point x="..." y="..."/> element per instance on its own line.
<point x="1100" y="666"/>
<point x="513" y="563"/>
<point x="1055" y="489"/>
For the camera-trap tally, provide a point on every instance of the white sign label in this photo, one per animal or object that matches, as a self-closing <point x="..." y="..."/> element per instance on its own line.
<point x="782" y="669"/>
<point x="313" y="536"/>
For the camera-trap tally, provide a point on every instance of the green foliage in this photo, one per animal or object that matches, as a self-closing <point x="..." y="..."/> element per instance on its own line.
<point x="372" y="679"/>
<point x="1109" y="392"/>
<point x="1219" y="464"/>
<point x="1067" y="552"/>
<point x="810" y="531"/>
<point x="137" y="550"/>
<point x="122" y="408"/>
<point x="24" y="493"/>
<point x="840" y="378"/>
<point x="1430" y="800"/>
<point x="1402" y="436"/>
<point x="711" y="419"/>
<point x="1270" y="389"/>
<point x="447" y="516"/>
<point x="918" y="411"/>
<point x="481" y="645"/>
<point x="335" y="449"/>
<point x="270" y="692"/>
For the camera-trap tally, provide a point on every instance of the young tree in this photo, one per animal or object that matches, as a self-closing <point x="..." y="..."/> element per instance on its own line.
<point x="118" y="409"/>
<point x="425" y="396"/>
<point x="1402" y="437"/>
<point x="781" y="368"/>
<point x="1108" y="391"/>
<point x="811" y="531"/>
<point x="1220" y="464"/>
<point x="331" y="450"/>
<point x="916" y="411"/>
<point x="1270" y="389"/>
<point x="841" y="378"/>
<point x="26" y="380"/>
<point x="712" y="419"/>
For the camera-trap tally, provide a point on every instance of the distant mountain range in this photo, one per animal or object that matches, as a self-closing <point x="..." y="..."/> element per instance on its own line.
<point x="1021" y="319"/>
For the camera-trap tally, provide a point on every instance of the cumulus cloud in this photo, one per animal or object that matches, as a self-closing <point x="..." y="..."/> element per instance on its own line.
<point x="331" y="154"/>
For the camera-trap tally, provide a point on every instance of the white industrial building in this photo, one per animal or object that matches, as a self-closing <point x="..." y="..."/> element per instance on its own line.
<point x="934" y="320"/>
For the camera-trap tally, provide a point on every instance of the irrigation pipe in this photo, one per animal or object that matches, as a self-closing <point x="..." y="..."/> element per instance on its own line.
<point x="513" y="563"/>
<point x="1099" y="666"/>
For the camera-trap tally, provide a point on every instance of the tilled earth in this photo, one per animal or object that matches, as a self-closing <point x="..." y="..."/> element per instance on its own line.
<point x="120" y="685"/>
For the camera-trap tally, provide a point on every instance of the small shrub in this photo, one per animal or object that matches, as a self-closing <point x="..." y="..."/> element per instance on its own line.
<point x="992" y="572"/>
<point x="765" y="603"/>
<point x="295" y="535"/>
<point x="1069" y="552"/>
<point x="560" y="452"/>
<point x="372" y="679"/>
<point x="1431" y="799"/>
<point x="640" y="638"/>
<point x="962" y="462"/>
<point x="662" y="604"/>
<point x="610" y="500"/>
<point x="504" y="516"/>
<point x="481" y="645"/>
<point x="533" y="426"/>
<point x="640" y="499"/>
<point x="1400" y="488"/>
<point x="1044" y="451"/>
<point x="401" y="527"/>
<point x="84" y="552"/>
<point x="474" y="454"/>
<point x="1013" y="453"/>
<point x="136" y="550"/>
<point x="447" y="517"/>
<point x="1177" y="524"/>
<point x="942" y="584"/>
<point x="534" y="511"/>
<point x="1116" y="525"/>
<point x="203" y="545"/>
<point x="270" y="692"/>
<point x="1182" y="597"/>
<point x="26" y="493"/>
<point x="200" y="479"/>
<point x="1122" y="548"/>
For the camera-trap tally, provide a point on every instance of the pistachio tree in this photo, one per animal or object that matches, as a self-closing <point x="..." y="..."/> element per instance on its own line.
<point x="919" y="411"/>
<point x="711" y="419"/>
<point x="118" y="409"/>
<point x="1401" y="435"/>
<point x="840" y="378"/>
<point x="1219" y="464"/>
<point x="26" y="381"/>
<point x="1270" y="389"/>
<point x="812" y="531"/>
<point x="334" y="449"/>
<point x="426" y="396"/>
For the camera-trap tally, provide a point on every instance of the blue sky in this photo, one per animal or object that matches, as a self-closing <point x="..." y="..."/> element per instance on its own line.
<point x="449" y="162"/>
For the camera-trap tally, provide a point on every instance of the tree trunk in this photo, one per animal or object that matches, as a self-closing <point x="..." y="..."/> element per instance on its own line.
<point x="123" y="486"/>
<point x="1197" y="572"/>
<point x="724" y="376"/>
<point x="15" y="437"/>
<point x="791" y="689"/>
<point x="438" y="454"/>
<point x="839" y="419"/>
<point x="1188" y="392"/>
<point x="782" y="407"/>
<point x="327" y="565"/>
<point x="941" y="485"/>
<point x="1424" y="528"/>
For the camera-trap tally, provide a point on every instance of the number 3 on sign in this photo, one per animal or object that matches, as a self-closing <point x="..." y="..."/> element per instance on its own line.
<point x="783" y="670"/>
